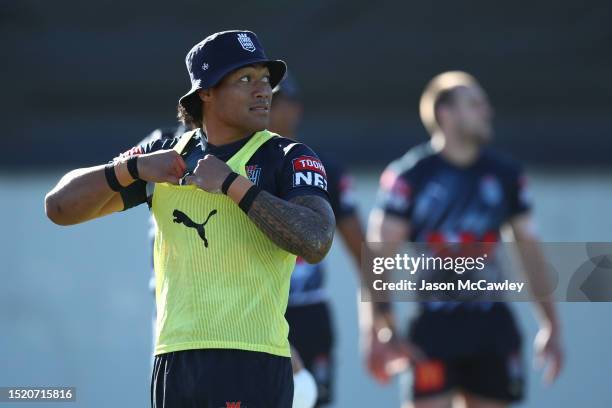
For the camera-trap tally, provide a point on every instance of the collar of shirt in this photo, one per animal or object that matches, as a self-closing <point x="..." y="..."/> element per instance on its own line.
<point x="202" y="148"/>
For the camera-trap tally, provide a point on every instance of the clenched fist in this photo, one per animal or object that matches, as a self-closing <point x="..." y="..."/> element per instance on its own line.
<point x="209" y="174"/>
<point x="161" y="166"/>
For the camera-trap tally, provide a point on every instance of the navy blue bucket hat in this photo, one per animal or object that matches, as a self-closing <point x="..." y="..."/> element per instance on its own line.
<point x="221" y="53"/>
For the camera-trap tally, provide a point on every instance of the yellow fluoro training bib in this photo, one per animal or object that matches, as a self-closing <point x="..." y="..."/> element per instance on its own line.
<point x="220" y="282"/>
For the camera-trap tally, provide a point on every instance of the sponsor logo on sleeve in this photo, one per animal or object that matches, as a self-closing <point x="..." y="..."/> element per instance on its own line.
<point x="309" y="171"/>
<point x="308" y="163"/>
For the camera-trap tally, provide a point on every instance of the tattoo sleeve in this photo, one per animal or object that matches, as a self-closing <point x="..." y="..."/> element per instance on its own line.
<point x="303" y="226"/>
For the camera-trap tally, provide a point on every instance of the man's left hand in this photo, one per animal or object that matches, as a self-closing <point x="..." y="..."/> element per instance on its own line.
<point x="209" y="174"/>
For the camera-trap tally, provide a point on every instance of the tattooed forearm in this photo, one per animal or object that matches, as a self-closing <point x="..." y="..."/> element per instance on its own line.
<point x="303" y="226"/>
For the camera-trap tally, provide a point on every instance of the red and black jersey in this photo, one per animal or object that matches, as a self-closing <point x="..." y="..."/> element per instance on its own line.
<point x="447" y="203"/>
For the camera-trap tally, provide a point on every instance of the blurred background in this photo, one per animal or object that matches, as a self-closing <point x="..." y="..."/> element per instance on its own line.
<point x="84" y="81"/>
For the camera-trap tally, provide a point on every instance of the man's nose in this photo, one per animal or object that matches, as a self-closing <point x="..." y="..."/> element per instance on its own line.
<point x="263" y="90"/>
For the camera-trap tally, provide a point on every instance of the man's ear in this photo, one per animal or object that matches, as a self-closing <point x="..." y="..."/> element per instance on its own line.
<point x="204" y="95"/>
<point x="443" y="114"/>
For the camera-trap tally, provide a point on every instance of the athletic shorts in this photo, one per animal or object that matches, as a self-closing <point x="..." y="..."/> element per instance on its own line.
<point x="219" y="378"/>
<point x="469" y="349"/>
<point x="311" y="334"/>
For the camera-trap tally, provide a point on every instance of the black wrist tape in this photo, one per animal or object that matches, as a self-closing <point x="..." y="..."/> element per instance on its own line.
<point x="132" y="166"/>
<point x="228" y="182"/>
<point x="249" y="197"/>
<point x="111" y="177"/>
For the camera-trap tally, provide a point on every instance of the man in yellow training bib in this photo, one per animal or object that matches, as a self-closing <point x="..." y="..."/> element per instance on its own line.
<point x="234" y="204"/>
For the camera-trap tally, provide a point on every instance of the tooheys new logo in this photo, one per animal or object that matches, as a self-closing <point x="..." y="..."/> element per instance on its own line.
<point x="309" y="171"/>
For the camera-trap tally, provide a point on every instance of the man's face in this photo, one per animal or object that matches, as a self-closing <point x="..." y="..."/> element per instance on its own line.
<point x="470" y="114"/>
<point x="242" y="99"/>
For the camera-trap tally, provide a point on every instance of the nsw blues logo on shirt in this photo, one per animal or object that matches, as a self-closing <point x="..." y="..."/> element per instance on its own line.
<point x="253" y="173"/>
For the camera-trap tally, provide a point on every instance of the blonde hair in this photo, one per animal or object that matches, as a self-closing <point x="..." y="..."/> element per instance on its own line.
<point x="440" y="84"/>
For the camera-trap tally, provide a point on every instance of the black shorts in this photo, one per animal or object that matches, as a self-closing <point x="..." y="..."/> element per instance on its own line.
<point x="311" y="334"/>
<point x="219" y="378"/>
<point x="474" y="350"/>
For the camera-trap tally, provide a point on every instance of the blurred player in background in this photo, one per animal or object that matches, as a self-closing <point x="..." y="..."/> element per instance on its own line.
<point x="454" y="189"/>
<point x="308" y="313"/>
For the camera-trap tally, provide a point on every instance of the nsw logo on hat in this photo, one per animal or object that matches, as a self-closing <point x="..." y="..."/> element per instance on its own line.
<point x="246" y="42"/>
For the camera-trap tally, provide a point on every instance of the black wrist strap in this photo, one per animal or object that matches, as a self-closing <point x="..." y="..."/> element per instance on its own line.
<point x="228" y="182"/>
<point x="249" y="197"/>
<point x="132" y="166"/>
<point x="111" y="177"/>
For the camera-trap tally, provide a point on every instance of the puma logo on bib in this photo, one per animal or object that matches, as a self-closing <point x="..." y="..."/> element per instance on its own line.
<point x="182" y="218"/>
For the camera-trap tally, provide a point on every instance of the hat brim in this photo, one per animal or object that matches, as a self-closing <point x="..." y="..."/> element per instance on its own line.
<point x="277" y="69"/>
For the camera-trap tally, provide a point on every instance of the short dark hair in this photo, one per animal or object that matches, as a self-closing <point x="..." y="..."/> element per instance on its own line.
<point x="441" y="91"/>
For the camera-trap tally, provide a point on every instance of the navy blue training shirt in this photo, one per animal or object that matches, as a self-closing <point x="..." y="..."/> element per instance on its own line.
<point x="447" y="203"/>
<point x="281" y="166"/>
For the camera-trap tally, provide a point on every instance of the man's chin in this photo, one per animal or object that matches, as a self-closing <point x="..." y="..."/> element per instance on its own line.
<point x="259" y="125"/>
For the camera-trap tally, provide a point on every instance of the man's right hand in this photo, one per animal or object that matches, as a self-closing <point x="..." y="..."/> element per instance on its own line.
<point x="84" y="194"/>
<point x="161" y="166"/>
<point x="385" y="353"/>
<point x="386" y="358"/>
